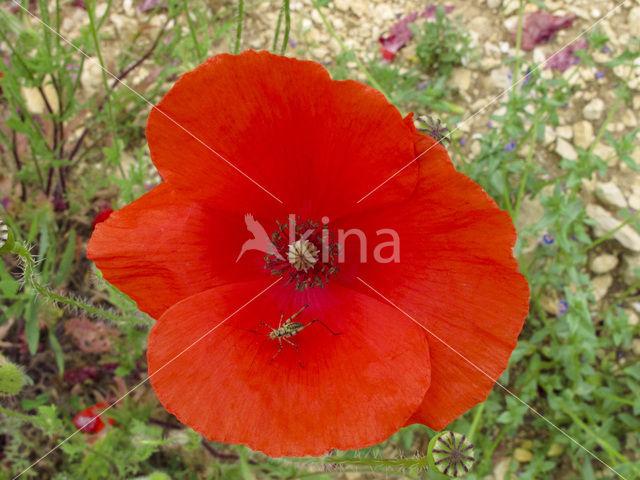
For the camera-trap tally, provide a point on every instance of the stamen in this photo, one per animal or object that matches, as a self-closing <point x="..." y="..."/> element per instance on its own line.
<point x="302" y="255"/>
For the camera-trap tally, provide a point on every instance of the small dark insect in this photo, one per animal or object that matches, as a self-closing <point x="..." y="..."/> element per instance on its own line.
<point x="288" y="329"/>
<point x="435" y="129"/>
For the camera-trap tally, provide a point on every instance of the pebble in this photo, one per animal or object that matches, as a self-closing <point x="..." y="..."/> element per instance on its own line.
<point x="461" y="78"/>
<point x="603" y="263"/>
<point x="522" y="455"/>
<point x="629" y="264"/>
<point x="610" y="195"/>
<point x="632" y="317"/>
<point x="594" y="109"/>
<point x="601" y="286"/>
<point x="583" y="135"/>
<point x="565" y="131"/>
<point x="634" y="201"/>
<point x="626" y="236"/>
<point x="555" y="450"/>
<point x="565" y="150"/>
<point x="494" y="3"/>
<point x="629" y="119"/>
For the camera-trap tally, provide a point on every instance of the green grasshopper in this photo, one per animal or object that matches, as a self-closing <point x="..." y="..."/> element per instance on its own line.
<point x="288" y="329"/>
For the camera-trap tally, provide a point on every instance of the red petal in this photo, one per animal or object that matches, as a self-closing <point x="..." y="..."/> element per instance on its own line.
<point x="456" y="275"/>
<point x="318" y="145"/>
<point x="355" y="388"/>
<point x="164" y="247"/>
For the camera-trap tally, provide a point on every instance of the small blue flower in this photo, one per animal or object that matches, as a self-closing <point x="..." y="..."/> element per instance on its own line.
<point x="510" y="147"/>
<point x="548" y="239"/>
<point x="599" y="75"/>
<point x="606" y="49"/>
<point x="563" y="307"/>
<point x="463" y="141"/>
<point x="293" y="43"/>
<point x="489" y="124"/>
<point x="422" y="85"/>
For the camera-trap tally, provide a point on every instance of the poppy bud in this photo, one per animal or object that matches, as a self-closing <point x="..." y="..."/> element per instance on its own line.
<point x="11" y="378"/>
<point x="450" y="454"/>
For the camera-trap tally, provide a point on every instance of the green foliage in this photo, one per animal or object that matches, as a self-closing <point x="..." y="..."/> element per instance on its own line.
<point x="441" y="45"/>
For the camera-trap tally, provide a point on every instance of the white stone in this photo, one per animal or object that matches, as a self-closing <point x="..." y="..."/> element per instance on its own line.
<point x="594" y="109"/>
<point x="610" y="195"/>
<point x="629" y="264"/>
<point x="461" y="78"/>
<point x="634" y="18"/>
<point x="629" y="119"/>
<point x="500" y="78"/>
<point x="583" y="134"/>
<point x="606" y="153"/>
<point x="549" y="135"/>
<point x="565" y="150"/>
<point x="632" y="317"/>
<point x="494" y="3"/>
<point x="601" y="286"/>
<point x="603" y="263"/>
<point x="565" y="131"/>
<point x="626" y="236"/>
<point x="634" y="201"/>
<point x="34" y="100"/>
<point x="522" y="455"/>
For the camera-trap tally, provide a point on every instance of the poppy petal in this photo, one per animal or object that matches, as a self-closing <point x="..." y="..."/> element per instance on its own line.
<point x="355" y="387"/>
<point x="163" y="248"/>
<point x="285" y="125"/>
<point x="456" y="275"/>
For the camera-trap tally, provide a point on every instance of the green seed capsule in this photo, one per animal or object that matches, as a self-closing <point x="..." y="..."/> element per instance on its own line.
<point x="450" y="454"/>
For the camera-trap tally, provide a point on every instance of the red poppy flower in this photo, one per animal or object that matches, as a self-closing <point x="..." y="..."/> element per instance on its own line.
<point x="89" y="420"/>
<point x="244" y="141"/>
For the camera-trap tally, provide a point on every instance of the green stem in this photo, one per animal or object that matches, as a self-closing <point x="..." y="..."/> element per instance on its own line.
<point x="395" y="463"/>
<point x="11" y="413"/>
<point x="94" y="34"/>
<point x="277" y="34"/>
<point x="609" y="234"/>
<point x="287" y="25"/>
<point x="344" y="49"/>
<point x="527" y="167"/>
<point x="476" y="420"/>
<point x="236" y="49"/>
<point x="192" y="30"/>
<point x="31" y="279"/>
<point x="516" y="63"/>
<point x="613" y="453"/>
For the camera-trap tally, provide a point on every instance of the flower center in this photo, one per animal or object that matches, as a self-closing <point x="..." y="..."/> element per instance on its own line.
<point x="304" y="253"/>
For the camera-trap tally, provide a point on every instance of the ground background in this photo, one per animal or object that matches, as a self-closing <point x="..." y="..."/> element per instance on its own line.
<point x="577" y="361"/>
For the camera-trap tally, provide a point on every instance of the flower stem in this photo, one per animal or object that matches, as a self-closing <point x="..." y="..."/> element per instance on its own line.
<point x="287" y="25"/>
<point x="527" y="166"/>
<point x="396" y="463"/>
<point x="30" y="277"/>
<point x="236" y="49"/>
<point x="11" y="413"/>
<point x="277" y="34"/>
